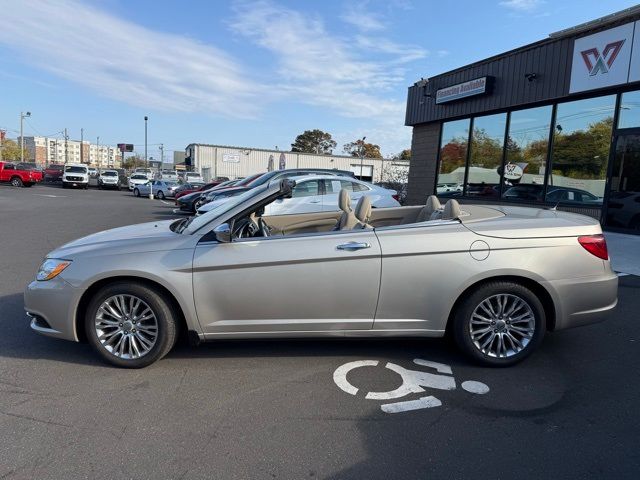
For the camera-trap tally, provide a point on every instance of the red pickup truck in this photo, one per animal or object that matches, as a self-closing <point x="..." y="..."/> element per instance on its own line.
<point x="17" y="176"/>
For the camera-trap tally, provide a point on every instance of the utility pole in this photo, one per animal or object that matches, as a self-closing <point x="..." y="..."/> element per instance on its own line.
<point x="161" y="155"/>
<point x="82" y="145"/>
<point x="22" y="117"/>
<point x="146" y="160"/>
<point x="98" y="151"/>
<point x="66" y="147"/>
<point x="362" y="156"/>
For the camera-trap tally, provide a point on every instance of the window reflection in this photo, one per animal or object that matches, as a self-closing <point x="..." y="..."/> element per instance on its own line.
<point x="527" y="147"/>
<point x="581" y="141"/>
<point x="486" y="155"/>
<point x="629" y="110"/>
<point x="453" y="157"/>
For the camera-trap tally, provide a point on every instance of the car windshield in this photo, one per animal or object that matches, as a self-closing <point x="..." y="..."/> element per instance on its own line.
<point x="74" y="169"/>
<point x="109" y="174"/>
<point x="194" y="223"/>
<point x="138" y="177"/>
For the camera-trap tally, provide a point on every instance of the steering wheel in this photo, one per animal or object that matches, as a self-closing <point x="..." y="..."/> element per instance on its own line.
<point x="265" y="231"/>
<point x="246" y="228"/>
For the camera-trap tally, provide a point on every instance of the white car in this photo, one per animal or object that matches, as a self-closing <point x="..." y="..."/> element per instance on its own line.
<point x="319" y="193"/>
<point x="169" y="176"/>
<point x="448" y="187"/>
<point x="191" y="177"/>
<point x="109" y="179"/>
<point x="137" y="179"/>
<point x="144" y="171"/>
<point x="75" y="175"/>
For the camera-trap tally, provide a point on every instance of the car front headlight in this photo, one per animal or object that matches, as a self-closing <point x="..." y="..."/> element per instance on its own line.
<point x="51" y="268"/>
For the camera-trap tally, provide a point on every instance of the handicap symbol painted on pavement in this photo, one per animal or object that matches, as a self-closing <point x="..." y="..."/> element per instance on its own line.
<point x="413" y="381"/>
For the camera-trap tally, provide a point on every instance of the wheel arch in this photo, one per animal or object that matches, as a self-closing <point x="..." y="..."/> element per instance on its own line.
<point x="538" y="289"/>
<point x="88" y="294"/>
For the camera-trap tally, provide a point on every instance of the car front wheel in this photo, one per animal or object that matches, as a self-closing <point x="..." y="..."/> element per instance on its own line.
<point x="499" y="323"/>
<point x="130" y="324"/>
<point x="136" y="192"/>
<point x="160" y="195"/>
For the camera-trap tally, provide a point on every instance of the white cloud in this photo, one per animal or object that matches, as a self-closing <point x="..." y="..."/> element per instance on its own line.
<point x="323" y="69"/>
<point x="122" y="60"/>
<point x="357" y="15"/>
<point x="522" y="5"/>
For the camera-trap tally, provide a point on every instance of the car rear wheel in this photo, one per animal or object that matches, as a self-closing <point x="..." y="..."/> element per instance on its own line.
<point x="160" y="195"/>
<point x="136" y="192"/>
<point x="16" y="182"/>
<point x="130" y="324"/>
<point x="499" y="323"/>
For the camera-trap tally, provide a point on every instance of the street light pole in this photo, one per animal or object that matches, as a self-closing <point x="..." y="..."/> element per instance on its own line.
<point x="362" y="156"/>
<point x="146" y="161"/>
<point x="22" y="117"/>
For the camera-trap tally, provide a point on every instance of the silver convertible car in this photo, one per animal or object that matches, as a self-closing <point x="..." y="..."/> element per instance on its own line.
<point x="495" y="278"/>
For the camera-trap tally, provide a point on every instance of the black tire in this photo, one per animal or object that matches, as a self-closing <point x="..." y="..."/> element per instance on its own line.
<point x="28" y="185"/>
<point x="163" y="310"/>
<point x="136" y="192"/>
<point x="160" y="195"/>
<point x="64" y="185"/>
<point x="17" y="182"/>
<point x="464" y="312"/>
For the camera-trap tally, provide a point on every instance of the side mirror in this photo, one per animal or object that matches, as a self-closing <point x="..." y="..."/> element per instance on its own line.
<point x="223" y="233"/>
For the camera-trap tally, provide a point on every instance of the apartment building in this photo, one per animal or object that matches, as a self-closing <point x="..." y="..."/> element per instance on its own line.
<point x="47" y="150"/>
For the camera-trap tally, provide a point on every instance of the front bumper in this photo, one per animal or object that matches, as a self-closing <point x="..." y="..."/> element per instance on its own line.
<point x="51" y="307"/>
<point x="585" y="300"/>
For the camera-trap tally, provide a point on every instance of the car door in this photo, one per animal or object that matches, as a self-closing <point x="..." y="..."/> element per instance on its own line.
<point x="298" y="283"/>
<point x="306" y="197"/>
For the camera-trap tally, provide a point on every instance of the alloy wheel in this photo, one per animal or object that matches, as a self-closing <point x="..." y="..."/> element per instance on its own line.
<point x="126" y="326"/>
<point x="502" y="325"/>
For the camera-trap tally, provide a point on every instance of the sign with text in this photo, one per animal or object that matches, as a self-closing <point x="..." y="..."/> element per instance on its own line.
<point x="231" y="157"/>
<point x="462" y="90"/>
<point x="602" y="59"/>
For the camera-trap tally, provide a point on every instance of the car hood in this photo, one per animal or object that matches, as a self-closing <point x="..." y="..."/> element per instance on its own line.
<point x="143" y="237"/>
<point x="189" y="196"/>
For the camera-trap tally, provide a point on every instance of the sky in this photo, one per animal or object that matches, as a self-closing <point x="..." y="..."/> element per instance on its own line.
<point x="251" y="73"/>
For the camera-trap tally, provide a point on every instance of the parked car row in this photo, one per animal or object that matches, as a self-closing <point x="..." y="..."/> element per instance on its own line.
<point x="19" y="174"/>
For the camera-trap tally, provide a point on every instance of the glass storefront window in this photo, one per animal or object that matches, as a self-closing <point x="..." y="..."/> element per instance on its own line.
<point x="453" y="157"/>
<point x="629" y="110"/>
<point x="527" y="148"/>
<point x="485" y="160"/>
<point x="581" y="142"/>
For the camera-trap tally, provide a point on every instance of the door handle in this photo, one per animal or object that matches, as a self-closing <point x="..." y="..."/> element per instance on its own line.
<point x="351" y="246"/>
<point x="314" y="201"/>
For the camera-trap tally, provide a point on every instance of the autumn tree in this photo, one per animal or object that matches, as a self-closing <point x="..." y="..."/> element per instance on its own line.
<point x="360" y="148"/>
<point x="11" y="151"/>
<point x="314" y="141"/>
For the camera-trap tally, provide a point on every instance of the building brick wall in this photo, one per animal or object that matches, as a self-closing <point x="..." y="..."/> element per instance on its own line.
<point x="424" y="157"/>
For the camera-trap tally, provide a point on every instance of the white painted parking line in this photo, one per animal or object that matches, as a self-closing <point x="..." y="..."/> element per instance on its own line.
<point x="166" y="203"/>
<point x="49" y="196"/>
<point x="413" y="381"/>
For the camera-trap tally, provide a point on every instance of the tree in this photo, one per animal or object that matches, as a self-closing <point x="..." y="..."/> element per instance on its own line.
<point x="11" y="151"/>
<point x="403" y="155"/>
<point x="357" y="148"/>
<point x="134" y="161"/>
<point x="314" y="141"/>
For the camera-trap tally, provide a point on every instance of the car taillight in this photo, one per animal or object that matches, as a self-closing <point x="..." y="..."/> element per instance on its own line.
<point x="595" y="245"/>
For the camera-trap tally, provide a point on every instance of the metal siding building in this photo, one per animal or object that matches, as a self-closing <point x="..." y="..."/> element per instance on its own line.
<point x="224" y="161"/>
<point x="594" y="67"/>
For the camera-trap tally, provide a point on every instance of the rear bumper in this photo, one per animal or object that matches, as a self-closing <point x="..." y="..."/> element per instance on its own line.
<point x="582" y="301"/>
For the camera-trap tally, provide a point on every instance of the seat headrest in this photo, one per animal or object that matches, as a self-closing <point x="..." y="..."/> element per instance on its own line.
<point x="451" y="210"/>
<point x="363" y="209"/>
<point x="344" y="201"/>
<point x="433" y="203"/>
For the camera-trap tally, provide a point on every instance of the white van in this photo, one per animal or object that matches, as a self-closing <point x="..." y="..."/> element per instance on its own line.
<point x="75" y="175"/>
<point x="144" y="171"/>
<point x="193" y="177"/>
<point x="169" y="176"/>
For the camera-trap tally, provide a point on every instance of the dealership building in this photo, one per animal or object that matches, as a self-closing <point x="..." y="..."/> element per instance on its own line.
<point x="553" y="123"/>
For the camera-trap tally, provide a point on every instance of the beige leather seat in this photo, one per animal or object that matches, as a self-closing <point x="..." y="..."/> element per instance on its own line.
<point x="363" y="213"/>
<point x="451" y="210"/>
<point x="431" y="210"/>
<point x="348" y="219"/>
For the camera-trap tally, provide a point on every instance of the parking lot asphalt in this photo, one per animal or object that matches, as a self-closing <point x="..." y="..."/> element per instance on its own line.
<point x="271" y="409"/>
